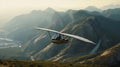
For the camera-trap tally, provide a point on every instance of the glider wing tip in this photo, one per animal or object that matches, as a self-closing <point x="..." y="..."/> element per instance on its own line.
<point x="93" y="43"/>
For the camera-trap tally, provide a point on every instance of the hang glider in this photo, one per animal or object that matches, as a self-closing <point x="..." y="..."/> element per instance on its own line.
<point x="65" y="34"/>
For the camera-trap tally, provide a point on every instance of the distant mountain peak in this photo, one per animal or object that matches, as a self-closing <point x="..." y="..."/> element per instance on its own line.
<point x="111" y="6"/>
<point x="34" y="11"/>
<point x="93" y="8"/>
<point x="49" y="9"/>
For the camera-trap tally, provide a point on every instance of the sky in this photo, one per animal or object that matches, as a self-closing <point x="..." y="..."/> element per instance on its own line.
<point x="12" y="8"/>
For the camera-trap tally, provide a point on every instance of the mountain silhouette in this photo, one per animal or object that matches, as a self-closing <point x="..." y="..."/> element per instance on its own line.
<point x="93" y="8"/>
<point x="112" y="13"/>
<point x="94" y="26"/>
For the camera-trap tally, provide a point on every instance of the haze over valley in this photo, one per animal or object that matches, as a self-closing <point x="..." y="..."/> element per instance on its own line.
<point x="20" y="40"/>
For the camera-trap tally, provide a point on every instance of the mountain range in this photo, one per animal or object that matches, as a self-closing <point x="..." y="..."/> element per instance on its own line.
<point x="100" y="27"/>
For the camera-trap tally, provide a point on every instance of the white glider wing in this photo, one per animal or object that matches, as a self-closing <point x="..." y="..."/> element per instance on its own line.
<point x="69" y="35"/>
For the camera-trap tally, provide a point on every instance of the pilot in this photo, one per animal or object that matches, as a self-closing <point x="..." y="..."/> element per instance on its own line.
<point x="59" y="37"/>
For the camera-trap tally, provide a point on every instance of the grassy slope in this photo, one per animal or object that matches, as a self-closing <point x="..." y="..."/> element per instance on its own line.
<point x="15" y="63"/>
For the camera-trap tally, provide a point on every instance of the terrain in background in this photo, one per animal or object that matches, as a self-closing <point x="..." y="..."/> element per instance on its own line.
<point x="101" y="27"/>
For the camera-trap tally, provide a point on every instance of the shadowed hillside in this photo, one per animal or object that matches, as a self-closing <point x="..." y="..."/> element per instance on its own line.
<point x="112" y="13"/>
<point x="108" y="57"/>
<point x="36" y="45"/>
